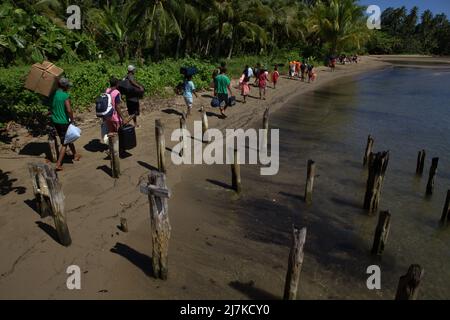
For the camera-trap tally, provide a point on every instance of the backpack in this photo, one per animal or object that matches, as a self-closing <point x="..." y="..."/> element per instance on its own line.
<point x="215" y="103"/>
<point x="103" y="106"/>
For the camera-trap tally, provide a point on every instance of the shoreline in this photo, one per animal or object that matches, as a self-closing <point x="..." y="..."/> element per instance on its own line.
<point x="116" y="261"/>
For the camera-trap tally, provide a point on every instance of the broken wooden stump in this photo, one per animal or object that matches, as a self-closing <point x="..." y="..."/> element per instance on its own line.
<point x="160" y="145"/>
<point x="53" y="146"/>
<point x="158" y="195"/>
<point x="377" y="170"/>
<point x="433" y="170"/>
<point x="50" y="198"/>
<point x="420" y="162"/>
<point x="236" y="173"/>
<point x="369" y="149"/>
<point x="265" y="126"/>
<point x="446" y="212"/>
<point x="381" y="232"/>
<point x="205" y="137"/>
<point x="123" y="225"/>
<point x="295" y="263"/>
<point x="311" y="172"/>
<point x="113" y="142"/>
<point x="408" y="284"/>
<point x="182" y="127"/>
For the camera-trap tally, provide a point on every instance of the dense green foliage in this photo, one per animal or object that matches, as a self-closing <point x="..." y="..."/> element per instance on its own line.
<point x="403" y="32"/>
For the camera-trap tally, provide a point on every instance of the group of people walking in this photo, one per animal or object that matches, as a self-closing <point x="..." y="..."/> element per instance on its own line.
<point x="61" y="111"/>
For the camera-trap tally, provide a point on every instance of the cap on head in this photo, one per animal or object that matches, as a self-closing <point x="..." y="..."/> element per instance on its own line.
<point x="65" y="83"/>
<point x="131" y="68"/>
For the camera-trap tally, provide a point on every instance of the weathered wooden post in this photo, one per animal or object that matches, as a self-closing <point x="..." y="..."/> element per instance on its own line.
<point x="446" y="212"/>
<point x="160" y="145"/>
<point x="377" y="170"/>
<point x="182" y="127"/>
<point x="53" y="146"/>
<point x="295" y="264"/>
<point x="381" y="232"/>
<point x="205" y="137"/>
<point x="113" y="142"/>
<point x="158" y="195"/>
<point x="420" y="162"/>
<point x="50" y="198"/>
<point x="408" y="284"/>
<point x="311" y="172"/>
<point x="236" y="172"/>
<point x="123" y="225"/>
<point x="369" y="149"/>
<point x="266" y="129"/>
<point x="433" y="170"/>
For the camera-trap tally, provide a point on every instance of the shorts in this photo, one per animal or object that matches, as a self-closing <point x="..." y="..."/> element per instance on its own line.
<point x="61" y="130"/>
<point x="189" y="102"/>
<point x="223" y="97"/>
<point x="133" y="108"/>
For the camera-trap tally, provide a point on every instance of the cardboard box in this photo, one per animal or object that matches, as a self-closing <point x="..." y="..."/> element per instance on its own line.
<point x="43" y="78"/>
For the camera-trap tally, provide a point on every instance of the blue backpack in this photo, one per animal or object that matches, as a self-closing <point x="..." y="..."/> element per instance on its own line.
<point x="103" y="106"/>
<point x="215" y="103"/>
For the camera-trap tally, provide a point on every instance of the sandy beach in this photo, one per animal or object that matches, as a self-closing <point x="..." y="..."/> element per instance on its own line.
<point x="210" y="257"/>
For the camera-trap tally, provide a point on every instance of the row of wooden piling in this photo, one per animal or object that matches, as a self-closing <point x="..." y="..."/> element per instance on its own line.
<point x="48" y="194"/>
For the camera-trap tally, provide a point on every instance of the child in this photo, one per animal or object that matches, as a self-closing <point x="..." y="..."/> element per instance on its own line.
<point x="113" y="122"/>
<point x="189" y="89"/>
<point x="291" y="69"/>
<point x="275" y="76"/>
<point x="311" y="73"/>
<point x="262" y="83"/>
<point x="244" y="83"/>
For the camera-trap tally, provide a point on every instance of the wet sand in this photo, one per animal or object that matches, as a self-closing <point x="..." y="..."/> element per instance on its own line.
<point x="217" y="250"/>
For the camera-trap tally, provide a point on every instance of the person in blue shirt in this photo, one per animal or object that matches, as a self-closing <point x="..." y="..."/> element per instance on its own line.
<point x="188" y="92"/>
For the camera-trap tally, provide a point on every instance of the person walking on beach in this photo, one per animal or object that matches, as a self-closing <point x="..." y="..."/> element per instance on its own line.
<point x="275" y="76"/>
<point x="332" y="64"/>
<point x="188" y="92"/>
<point x="113" y="122"/>
<point x="136" y="90"/>
<point x="303" y="69"/>
<point x="222" y="88"/>
<point x="311" y="73"/>
<point x="62" y="116"/>
<point x="244" y="83"/>
<point x="262" y="83"/>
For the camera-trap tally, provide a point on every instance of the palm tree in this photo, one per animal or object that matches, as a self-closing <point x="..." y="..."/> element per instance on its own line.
<point x="338" y="23"/>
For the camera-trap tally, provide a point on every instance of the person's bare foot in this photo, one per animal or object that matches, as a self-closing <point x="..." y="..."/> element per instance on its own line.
<point x="77" y="157"/>
<point x="58" y="168"/>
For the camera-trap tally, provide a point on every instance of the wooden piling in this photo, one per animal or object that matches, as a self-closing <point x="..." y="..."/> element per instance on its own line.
<point x="53" y="146"/>
<point x="236" y="173"/>
<point x="266" y="129"/>
<point x="205" y="137"/>
<point x="160" y="145"/>
<point x="295" y="263"/>
<point x="158" y="195"/>
<point x="381" y="232"/>
<point x="446" y="212"/>
<point x="377" y="170"/>
<point x="123" y="225"/>
<point x="408" y="284"/>
<point x="113" y="142"/>
<point x="182" y="127"/>
<point x="420" y="162"/>
<point x="49" y="195"/>
<point x="369" y="149"/>
<point x="433" y="171"/>
<point x="311" y="172"/>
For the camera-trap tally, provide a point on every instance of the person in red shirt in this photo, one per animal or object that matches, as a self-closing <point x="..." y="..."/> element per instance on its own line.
<point x="262" y="83"/>
<point x="275" y="76"/>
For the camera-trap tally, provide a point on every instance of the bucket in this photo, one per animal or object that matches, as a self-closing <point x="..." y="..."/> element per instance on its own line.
<point x="127" y="137"/>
